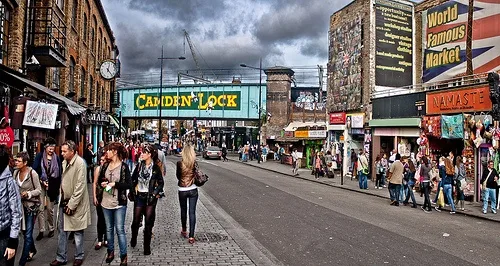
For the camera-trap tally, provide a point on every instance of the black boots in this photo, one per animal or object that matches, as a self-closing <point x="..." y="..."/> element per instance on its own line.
<point x="110" y="257"/>
<point x="123" y="260"/>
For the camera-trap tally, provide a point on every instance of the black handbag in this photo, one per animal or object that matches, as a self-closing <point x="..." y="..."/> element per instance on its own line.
<point x="200" y="178"/>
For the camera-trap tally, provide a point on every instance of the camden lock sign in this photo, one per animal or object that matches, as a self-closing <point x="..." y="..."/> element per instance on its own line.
<point x="215" y="100"/>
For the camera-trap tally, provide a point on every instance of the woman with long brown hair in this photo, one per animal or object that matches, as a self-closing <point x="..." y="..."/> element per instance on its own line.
<point x="101" y="223"/>
<point x="115" y="180"/>
<point x="147" y="181"/>
<point x="188" y="191"/>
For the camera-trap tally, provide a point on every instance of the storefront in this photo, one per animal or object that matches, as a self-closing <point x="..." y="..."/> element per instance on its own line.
<point x="96" y="124"/>
<point x="470" y="133"/>
<point x="354" y="138"/>
<point x="306" y="137"/>
<point x="337" y="131"/>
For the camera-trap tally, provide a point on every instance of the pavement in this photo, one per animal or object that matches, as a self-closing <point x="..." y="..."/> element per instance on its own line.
<point x="473" y="209"/>
<point x="214" y="246"/>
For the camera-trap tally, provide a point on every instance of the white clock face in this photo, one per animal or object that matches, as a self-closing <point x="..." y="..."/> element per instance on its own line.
<point x="108" y="70"/>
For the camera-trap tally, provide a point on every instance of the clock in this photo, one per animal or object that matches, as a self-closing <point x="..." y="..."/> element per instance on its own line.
<point x="108" y="69"/>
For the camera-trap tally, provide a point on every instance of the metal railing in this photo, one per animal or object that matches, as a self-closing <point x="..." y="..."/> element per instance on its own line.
<point x="47" y="28"/>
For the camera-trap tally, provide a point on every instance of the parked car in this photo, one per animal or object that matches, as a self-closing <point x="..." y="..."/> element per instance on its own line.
<point x="212" y="152"/>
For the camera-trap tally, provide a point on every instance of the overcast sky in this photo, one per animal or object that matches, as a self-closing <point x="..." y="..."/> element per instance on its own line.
<point x="226" y="33"/>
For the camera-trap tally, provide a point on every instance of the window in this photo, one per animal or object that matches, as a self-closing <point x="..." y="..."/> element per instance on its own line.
<point x="56" y="79"/>
<point x="82" y="83"/>
<point x="85" y="31"/>
<point x="74" y="13"/>
<point x="103" y="98"/>
<point x="93" y="34"/>
<point x="4" y="33"/>
<point x="91" y="90"/>
<point x="71" y="74"/>
<point x="60" y="4"/>
<point x="99" y="45"/>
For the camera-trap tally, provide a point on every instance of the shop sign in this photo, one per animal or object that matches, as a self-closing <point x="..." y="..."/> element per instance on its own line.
<point x="41" y="115"/>
<point x="357" y="121"/>
<point x="337" y="118"/>
<point x="95" y="119"/>
<point x="357" y="131"/>
<point x="289" y="134"/>
<point x="317" y="134"/>
<point x="214" y="100"/>
<point x="458" y="101"/>
<point x="7" y="137"/>
<point x="302" y="134"/>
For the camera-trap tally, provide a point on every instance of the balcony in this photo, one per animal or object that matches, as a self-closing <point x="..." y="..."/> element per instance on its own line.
<point x="47" y="35"/>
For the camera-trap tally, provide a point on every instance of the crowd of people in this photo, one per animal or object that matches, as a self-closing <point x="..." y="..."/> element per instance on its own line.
<point x="56" y="186"/>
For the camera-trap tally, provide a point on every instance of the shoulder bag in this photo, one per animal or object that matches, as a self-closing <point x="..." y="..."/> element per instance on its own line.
<point x="200" y="178"/>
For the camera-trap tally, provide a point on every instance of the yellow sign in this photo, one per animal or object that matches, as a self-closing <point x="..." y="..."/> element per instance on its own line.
<point x="216" y="100"/>
<point x="302" y="134"/>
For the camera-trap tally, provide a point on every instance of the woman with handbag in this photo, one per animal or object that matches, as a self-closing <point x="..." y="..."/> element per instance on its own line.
<point x="188" y="191"/>
<point x="147" y="181"/>
<point x="461" y="182"/>
<point x="116" y="181"/>
<point x="30" y="190"/>
<point x="97" y="189"/>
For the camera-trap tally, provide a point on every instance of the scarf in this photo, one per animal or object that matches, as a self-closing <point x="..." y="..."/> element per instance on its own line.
<point x="53" y="171"/>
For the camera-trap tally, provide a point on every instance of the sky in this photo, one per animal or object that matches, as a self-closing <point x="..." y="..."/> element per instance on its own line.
<point x="225" y="33"/>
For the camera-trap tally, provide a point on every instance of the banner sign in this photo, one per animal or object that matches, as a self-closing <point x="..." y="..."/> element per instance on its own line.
<point x="452" y="126"/>
<point x="458" y="101"/>
<point x="393" y="44"/>
<point x="345" y="66"/>
<point x="38" y="114"/>
<point x="7" y="136"/>
<point x="301" y="133"/>
<point x="216" y="100"/>
<point x="445" y="35"/>
<point x="337" y="118"/>
<point x="317" y="134"/>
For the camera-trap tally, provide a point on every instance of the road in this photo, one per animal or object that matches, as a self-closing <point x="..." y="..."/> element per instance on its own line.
<point x="305" y="223"/>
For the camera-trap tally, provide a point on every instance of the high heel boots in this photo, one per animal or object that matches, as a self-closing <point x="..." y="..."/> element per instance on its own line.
<point x="123" y="260"/>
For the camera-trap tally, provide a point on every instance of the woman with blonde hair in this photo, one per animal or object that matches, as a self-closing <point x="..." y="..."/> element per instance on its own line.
<point x="188" y="191"/>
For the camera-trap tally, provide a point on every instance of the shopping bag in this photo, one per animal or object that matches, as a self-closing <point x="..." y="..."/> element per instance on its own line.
<point x="440" y="202"/>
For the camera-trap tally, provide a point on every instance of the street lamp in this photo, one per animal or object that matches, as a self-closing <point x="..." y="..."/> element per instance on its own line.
<point x="161" y="89"/>
<point x="260" y="103"/>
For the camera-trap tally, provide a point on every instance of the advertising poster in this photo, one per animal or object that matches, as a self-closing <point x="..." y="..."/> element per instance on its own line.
<point x="38" y="114"/>
<point x="344" y="67"/>
<point x="394" y="44"/>
<point x="308" y="99"/>
<point x="445" y="36"/>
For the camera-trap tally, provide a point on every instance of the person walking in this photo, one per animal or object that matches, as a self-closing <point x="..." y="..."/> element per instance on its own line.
<point x="489" y="186"/>
<point x="188" y="191"/>
<point x="74" y="207"/>
<point x="295" y="162"/>
<point x="317" y="165"/>
<point x="409" y="179"/>
<point x="363" y="170"/>
<point x="30" y="190"/>
<point x="448" y="182"/>
<point x="11" y="210"/>
<point x="88" y="156"/>
<point x="460" y="178"/>
<point x="224" y="153"/>
<point x="380" y="172"/>
<point x="265" y="151"/>
<point x="385" y="165"/>
<point x="395" y="178"/>
<point x="147" y="181"/>
<point x="116" y="180"/>
<point x="425" y="180"/>
<point x="354" y="163"/>
<point x="96" y="187"/>
<point x="48" y="166"/>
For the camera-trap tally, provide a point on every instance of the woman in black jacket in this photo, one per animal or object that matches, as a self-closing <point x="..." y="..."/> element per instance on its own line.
<point x="147" y="182"/>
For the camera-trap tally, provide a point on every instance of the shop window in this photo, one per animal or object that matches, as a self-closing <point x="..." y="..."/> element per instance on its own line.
<point x="4" y="33"/>
<point x="56" y="79"/>
<point x="74" y="13"/>
<point x="71" y="74"/>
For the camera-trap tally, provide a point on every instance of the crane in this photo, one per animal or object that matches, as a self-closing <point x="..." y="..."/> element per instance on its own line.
<point x="193" y="53"/>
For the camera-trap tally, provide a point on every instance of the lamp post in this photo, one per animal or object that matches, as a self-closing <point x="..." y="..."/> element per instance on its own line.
<point x="260" y="103"/>
<point x="161" y="89"/>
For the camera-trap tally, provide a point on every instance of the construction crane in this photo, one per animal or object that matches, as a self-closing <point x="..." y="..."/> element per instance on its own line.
<point x="193" y="53"/>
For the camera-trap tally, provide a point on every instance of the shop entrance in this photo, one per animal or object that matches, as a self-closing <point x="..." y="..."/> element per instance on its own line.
<point x="442" y="147"/>
<point x="386" y="145"/>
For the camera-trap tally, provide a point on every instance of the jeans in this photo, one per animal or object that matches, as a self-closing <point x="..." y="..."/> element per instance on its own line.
<point x="448" y="193"/>
<point x="101" y="224"/>
<point x="394" y="190"/>
<point x="489" y="194"/>
<point x="427" y="201"/>
<point x="4" y="241"/>
<point x="409" y="194"/>
<point x="192" y="196"/>
<point x="382" y="180"/>
<point x="62" y="243"/>
<point x="115" y="218"/>
<point x="130" y="165"/>
<point x="29" y="244"/>
<point x="363" y="180"/>
<point x="378" y="181"/>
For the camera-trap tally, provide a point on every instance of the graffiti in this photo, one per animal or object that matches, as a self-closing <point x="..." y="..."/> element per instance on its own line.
<point x="309" y="101"/>
<point x="344" y="67"/>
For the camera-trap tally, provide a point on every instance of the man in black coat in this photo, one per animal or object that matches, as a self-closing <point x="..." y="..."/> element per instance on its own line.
<point x="88" y="156"/>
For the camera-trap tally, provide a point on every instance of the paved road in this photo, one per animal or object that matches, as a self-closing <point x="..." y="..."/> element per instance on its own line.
<point x="306" y="223"/>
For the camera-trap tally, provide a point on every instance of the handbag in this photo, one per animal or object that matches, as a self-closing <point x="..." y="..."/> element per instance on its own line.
<point x="35" y="208"/>
<point x="200" y="178"/>
<point x="483" y="185"/>
<point x="463" y="184"/>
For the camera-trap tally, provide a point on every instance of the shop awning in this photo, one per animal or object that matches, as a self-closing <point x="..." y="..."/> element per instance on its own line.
<point x="116" y="123"/>
<point x="287" y="139"/>
<point x="395" y="122"/>
<point x="7" y="75"/>
<point x="296" y="125"/>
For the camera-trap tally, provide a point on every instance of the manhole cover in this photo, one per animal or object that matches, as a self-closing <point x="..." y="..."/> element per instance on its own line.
<point x="210" y="237"/>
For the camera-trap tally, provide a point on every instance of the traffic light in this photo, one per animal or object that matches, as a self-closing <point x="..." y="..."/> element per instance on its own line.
<point x="493" y="81"/>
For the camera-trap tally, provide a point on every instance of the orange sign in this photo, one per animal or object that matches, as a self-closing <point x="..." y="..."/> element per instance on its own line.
<point x="302" y="134"/>
<point x="458" y="101"/>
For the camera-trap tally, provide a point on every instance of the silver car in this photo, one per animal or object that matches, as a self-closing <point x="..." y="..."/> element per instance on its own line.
<point x="212" y="152"/>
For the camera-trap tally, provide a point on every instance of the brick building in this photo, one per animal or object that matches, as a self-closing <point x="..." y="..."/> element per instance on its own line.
<point x="51" y="52"/>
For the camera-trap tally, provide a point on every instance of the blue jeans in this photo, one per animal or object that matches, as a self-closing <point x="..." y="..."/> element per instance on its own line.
<point x="115" y="218"/>
<point x="29" y="244"/>
<point x="62" y="241"/>
<point x="363" y="180"/>
<point x="192" y="196"/>
<point x="409" y="194"/>
<point x="130" y="165"/>
<point x="394" y="191"/>
<point x="490" y="194"/>
<point x="447" y="189"/>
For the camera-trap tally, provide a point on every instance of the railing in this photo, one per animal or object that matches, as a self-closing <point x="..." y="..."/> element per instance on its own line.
<point x="450" y="83"/>
<point x="47" y="28"/>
